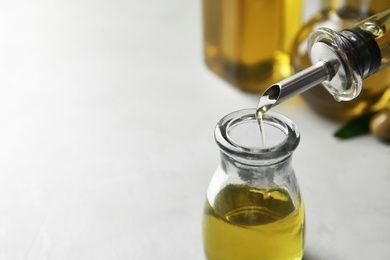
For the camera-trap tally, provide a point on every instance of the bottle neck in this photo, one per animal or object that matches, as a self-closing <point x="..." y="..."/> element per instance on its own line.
<point x="257" y="170"/>
<point x="329" y="4"/>
<point x="361" y="5"/>
<point x="352" y="11"/>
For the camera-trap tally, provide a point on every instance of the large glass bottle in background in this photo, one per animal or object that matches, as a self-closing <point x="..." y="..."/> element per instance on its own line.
<point x="248" y="42"/>
<point x="254" y="209"/>
<point x="339" y="15"/>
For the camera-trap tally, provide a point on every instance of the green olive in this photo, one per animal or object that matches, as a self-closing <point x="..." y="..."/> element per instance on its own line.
<point x="380" y="124"/>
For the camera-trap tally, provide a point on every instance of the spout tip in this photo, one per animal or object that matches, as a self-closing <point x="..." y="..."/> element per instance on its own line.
<point x="269" y="98"/>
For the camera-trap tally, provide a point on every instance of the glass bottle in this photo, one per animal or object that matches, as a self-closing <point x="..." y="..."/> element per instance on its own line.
<point x="248" y="42"/>
<point x="254" y="208"/>
<point x="339" y="15"/>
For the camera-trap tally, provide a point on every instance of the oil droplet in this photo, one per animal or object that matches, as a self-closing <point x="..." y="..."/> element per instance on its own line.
<point x="376" y="28"/>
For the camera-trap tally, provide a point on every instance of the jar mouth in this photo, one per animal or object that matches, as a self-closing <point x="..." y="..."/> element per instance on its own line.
<point x="238" y="135"/>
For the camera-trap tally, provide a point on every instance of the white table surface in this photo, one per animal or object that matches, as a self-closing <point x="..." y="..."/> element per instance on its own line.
<point x="107" y="114"/>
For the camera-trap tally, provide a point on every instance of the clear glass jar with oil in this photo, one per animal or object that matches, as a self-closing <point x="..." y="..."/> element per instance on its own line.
<point x="254" y="208"/>
<point x="248" y="42"/>
<point x="338" y="15"/>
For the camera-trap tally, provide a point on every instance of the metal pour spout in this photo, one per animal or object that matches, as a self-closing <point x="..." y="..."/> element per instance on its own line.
<point x="297" y="83"/>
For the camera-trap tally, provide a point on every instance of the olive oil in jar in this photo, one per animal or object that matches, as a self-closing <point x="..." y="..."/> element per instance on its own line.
<point x="248" y="223"/>
<point x="248" y="42"/>
<point x="254" y="208"/>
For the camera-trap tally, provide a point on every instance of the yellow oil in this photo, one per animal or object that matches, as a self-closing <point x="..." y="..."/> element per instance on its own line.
<point x="248" y="42"/>
<point x="248" y="223"/>
<point x="375" y="92"/>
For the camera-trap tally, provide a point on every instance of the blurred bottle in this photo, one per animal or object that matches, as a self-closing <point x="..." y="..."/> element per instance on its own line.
<point x="338" y="15"/>
<point x="248" y="42"/>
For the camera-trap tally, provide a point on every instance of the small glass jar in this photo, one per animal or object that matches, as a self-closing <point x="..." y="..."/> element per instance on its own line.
<point x="254" y="208"/>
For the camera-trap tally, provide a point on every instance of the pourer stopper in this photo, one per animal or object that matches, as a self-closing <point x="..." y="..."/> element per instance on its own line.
<point x="341" y="61"/>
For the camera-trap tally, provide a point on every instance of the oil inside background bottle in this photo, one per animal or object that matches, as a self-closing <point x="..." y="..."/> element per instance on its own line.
<point x="249" y="223"/>
<point x="375" y="92"/>
<point x="248" y="42"/>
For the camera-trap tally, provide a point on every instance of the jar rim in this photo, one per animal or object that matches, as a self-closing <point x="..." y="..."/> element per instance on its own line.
<point x="275" y="152"/>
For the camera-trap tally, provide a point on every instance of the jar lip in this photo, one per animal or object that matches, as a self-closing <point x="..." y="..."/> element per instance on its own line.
<point x="275" y="152"/>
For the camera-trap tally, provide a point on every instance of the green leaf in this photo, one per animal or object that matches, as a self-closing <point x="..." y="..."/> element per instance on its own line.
<point x="355" y="127"/>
